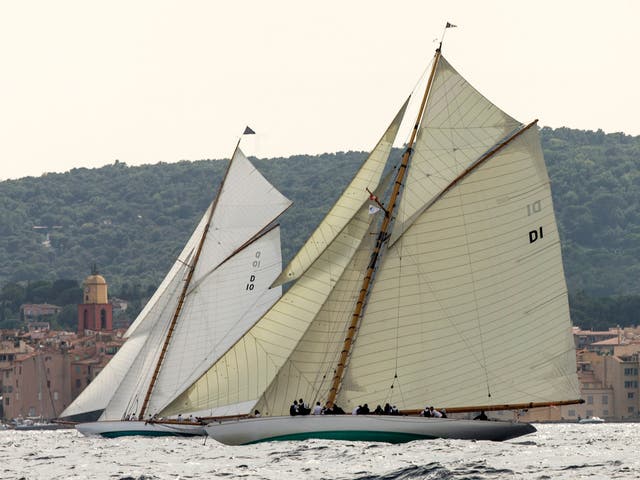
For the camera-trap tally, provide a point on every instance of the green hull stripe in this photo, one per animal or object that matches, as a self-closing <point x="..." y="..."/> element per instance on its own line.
<point x="145" y="433"/>
<point x="350" y="435"/>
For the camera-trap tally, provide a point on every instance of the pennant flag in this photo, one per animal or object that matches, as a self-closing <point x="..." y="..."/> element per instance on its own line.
<point x="450" y="25"/>
<point x="373" y="209"/>
<point x="248" y="131"/>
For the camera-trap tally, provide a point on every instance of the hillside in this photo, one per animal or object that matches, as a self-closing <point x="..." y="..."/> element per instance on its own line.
<point x="132" y="221"/>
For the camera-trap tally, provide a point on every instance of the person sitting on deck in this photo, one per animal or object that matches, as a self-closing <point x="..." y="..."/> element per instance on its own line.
<point x="293" y="409"/>
<point x="364" y="410"/>
<point x="317" y="410"/>
<point x="387" y="409"/>
<point x="378" y="411"/>
<point x="481" y="416"/>
<point x="426" y="412"/>
<point x="303" y="408"/>
<point x="434" y="413"/>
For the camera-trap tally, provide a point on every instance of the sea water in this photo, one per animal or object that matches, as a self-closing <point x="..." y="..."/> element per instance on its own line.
<point x="558" y="451"/>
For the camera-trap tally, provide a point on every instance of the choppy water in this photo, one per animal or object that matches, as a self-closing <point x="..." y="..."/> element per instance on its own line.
<point x="567" y="451"/>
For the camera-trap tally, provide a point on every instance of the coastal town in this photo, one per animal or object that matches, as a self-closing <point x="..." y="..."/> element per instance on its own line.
<point x="43" y="370"/>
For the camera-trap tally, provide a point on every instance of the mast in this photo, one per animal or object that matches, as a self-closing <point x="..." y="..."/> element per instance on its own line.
<point x="382" y="237"/>
<point x="183" y="294"/>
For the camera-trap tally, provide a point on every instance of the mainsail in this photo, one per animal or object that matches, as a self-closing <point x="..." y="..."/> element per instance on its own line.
<point x="228" y="291"/>
<point x="467" y="303"/>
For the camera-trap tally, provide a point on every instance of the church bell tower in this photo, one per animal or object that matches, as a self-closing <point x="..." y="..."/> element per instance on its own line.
<point x="95" y="313"/>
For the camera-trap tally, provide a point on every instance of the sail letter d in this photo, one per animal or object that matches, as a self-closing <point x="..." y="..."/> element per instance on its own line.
<point x="535" y="234"/>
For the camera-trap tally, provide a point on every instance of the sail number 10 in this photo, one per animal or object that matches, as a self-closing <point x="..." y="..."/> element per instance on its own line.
<point x="252" y="278"/>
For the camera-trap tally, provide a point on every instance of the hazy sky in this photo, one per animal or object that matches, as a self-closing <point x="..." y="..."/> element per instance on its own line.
<point x="84" y="83"/>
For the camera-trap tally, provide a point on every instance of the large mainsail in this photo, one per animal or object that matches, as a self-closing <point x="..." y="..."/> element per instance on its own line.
<point x="228" y="291"/>
<point x="470" y="305"/>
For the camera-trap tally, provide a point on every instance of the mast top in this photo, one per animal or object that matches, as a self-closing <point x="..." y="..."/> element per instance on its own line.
<point x="448" y="25"/>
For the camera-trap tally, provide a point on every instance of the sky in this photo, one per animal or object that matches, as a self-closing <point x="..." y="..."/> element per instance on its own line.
<point x="84" y="83"/>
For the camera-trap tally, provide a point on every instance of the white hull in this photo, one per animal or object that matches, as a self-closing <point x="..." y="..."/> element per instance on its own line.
<point x="591" y="420"/>
<point x="112" y="429"/>
<point x="382" y="428"/>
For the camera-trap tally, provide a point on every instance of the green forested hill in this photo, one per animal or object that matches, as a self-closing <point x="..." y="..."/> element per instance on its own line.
<point x="596" y="189"/>
<point x="133" y="221"/>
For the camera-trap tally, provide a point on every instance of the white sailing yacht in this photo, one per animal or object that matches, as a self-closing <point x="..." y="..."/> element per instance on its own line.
<point x="216" y="290"/>
<point x="452" y="294"/>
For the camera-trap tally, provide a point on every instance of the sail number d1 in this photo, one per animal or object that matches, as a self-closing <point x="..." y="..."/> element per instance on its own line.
<point x="535" y="235"/>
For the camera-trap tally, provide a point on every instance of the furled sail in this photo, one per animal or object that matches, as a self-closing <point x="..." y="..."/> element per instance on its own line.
<point x="240" y="377"/>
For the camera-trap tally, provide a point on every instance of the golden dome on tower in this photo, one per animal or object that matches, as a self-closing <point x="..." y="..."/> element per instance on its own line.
<point x="95" y="279"/>
<point x="95" y="288"/>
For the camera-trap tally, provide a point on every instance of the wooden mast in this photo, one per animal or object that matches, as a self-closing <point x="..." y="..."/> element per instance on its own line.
<point x="382" y="237"/>
<point x="183" y="294"/>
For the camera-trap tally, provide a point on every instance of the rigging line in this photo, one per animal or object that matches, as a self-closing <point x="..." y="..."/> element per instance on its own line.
<point x="482" y="364"/>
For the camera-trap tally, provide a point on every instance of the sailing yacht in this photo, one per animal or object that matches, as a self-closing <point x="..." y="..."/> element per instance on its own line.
<point x="216" y="290"/>
<point x="452" y="294"/>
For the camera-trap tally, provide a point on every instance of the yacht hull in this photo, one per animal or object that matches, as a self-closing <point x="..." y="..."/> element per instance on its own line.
<point x="373" y="428"/>
<point x="113" y="429"/>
